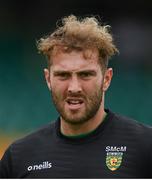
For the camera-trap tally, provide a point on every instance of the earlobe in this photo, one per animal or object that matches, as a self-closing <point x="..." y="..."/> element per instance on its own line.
<point x="47" y="78"/>
<point x="107" y="78"/>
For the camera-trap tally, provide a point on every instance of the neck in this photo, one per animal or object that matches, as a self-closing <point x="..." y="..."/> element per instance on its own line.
<point x="77" y="129"/>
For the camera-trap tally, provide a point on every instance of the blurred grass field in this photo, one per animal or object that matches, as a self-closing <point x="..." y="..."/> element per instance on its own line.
<point x="5" y="141"/>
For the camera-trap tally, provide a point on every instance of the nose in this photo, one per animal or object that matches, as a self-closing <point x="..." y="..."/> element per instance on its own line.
<point x="74" y="85"/>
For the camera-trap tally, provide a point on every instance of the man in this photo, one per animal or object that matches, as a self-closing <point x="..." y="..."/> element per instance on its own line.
<point x="87" y="140"/>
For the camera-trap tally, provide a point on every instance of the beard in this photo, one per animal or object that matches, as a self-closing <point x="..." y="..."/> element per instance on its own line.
<point x="92" y="102"/>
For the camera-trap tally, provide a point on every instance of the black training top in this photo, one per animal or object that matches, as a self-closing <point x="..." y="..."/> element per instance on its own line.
<point x="118" y="148"/>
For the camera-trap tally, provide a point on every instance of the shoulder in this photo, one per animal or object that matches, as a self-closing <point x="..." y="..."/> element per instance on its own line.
<point x="31" y="146"/>
<point x="35" y="139"/>
<point x="128" y="122"/>
<point x="132" y="127"/>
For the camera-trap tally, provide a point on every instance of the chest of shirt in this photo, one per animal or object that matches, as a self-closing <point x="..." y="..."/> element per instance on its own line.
<point x="90" y="160"/>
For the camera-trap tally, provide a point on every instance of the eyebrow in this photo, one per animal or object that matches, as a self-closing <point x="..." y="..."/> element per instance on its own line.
<point x="58" y="72"/>
<point x="91" y="72"/>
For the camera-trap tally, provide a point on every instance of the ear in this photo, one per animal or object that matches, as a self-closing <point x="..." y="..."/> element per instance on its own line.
<point x="47" y="78"/>
<point x="107" y="78"/>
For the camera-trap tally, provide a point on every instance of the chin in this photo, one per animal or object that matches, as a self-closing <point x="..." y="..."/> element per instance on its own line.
<point x="75" y="119"/>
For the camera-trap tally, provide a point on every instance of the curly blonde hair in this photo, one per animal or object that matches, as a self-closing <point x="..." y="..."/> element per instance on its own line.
<point x="80" y="35"/>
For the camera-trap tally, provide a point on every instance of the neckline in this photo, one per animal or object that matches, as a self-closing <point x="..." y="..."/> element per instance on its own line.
<point x="84" y="134"/>
<point x="89" y="136"/>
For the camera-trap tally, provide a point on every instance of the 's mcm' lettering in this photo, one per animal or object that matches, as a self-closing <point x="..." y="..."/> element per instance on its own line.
<point x="116" y="149"/>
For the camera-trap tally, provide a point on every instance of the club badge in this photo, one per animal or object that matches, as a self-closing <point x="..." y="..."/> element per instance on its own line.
<point x="114" y="157"/>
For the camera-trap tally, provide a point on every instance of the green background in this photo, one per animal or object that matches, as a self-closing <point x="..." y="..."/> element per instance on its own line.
<point x="25" y="102"/>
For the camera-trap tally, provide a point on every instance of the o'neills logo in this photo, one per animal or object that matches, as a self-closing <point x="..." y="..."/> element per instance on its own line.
<point x="44" y="165"/>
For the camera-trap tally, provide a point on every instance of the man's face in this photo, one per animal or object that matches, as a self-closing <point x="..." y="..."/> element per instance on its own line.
<point x="77" y="86"/>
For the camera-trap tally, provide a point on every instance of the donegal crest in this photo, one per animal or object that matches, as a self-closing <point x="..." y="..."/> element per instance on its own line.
<point x="113" y="160"/>
<point x="114" y="157"/>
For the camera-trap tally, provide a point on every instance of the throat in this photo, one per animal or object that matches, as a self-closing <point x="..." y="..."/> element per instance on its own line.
<point x="80" y="130"/>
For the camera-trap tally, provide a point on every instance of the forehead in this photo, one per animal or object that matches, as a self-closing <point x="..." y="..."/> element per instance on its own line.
<point x="75" y="60"/>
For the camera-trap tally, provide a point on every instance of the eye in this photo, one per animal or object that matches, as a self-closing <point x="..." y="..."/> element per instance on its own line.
<point x="86" y="75"/>
<point x="62" y="75"/>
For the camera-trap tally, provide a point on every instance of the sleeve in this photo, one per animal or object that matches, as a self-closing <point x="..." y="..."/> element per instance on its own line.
<point x="6" y="165"/>
<point x="151" y="158"/>
<point x="150" y="152"/>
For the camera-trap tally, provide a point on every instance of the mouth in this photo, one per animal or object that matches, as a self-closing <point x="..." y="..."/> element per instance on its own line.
<point x="74" y="103"/>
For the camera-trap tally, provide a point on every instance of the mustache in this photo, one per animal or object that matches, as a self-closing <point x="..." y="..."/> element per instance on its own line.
<point x="75" y="95"/>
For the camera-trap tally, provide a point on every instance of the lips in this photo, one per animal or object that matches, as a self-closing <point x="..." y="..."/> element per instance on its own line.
<point x="74" y="103"/>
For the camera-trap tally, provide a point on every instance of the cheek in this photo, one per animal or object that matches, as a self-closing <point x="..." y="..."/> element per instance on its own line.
<point x="92" y="87"/>
<point x="59" y="89"/>
<point x="100" y="83"/>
